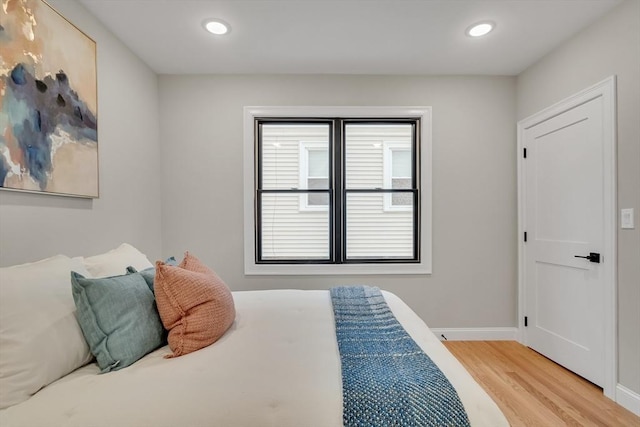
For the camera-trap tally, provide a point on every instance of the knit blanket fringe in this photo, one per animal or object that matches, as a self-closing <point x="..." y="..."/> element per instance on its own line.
<point x="387" y="380"/>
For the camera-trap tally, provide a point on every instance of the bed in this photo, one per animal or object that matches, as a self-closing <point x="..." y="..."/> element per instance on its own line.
<point x="277" y="365"/>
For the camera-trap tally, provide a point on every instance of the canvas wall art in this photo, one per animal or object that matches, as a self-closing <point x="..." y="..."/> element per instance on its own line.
<point x="48" y="102"/>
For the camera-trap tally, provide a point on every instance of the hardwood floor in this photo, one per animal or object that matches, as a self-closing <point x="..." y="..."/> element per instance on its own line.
<point x="532" y="390"/>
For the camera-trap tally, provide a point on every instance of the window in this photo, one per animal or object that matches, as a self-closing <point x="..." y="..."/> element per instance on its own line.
<point x="373" y="232"/>
<point x="314" y="175"/>
<point x="336" y="193"/>
<point x="397" y="174"/>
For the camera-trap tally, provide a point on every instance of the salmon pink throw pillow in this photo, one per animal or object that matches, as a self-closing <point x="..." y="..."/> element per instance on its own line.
<point x="195" y="305"/>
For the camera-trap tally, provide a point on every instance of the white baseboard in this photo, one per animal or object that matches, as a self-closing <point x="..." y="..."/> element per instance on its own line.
<point x="476" y="334"/>
<point x="628" y="399"/>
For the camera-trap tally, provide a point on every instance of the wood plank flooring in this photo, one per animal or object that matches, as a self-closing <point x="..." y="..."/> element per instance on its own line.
<point x="532" y="390"/>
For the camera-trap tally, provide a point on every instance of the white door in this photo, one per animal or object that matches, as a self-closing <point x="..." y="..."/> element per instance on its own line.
<point x="565" y="212"/>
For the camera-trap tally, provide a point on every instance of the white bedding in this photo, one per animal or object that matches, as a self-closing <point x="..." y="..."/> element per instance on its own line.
<point x="278" y="365"/>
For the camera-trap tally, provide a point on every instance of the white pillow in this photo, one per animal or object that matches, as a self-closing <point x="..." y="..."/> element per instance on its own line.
<point x="40" y="339"/>
<point x="116" y="261"/>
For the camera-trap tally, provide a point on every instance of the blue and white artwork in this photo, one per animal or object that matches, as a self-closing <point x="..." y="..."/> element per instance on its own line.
<point x="48" y="102"/>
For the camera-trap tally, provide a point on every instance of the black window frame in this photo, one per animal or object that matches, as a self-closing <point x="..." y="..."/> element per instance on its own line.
<point x="337" y="189"/>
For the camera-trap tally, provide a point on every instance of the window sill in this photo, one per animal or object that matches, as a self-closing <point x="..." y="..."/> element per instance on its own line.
<point x="252" y="269"/>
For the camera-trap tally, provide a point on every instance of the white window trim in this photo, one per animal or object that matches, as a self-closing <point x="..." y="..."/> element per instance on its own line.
<point x="387" y="166"/>
<point x="304" y="149"/>
<point x="423" y="267"/>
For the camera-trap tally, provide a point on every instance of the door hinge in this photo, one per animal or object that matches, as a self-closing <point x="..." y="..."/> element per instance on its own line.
<point x="525" y="153"/>
<point x="526" y="321"/>
<point x="525" y="236"/>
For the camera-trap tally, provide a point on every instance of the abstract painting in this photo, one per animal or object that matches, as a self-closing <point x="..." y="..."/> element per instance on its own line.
<point x="48" y="102"/>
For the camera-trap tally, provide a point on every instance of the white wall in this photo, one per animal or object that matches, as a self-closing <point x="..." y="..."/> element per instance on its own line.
<point x="34" y="226"/>
<point x="611" y="46"/>
<point x="474" y="201"/>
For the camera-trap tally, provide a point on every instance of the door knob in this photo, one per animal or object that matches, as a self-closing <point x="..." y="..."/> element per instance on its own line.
<point x="592" y="257"/>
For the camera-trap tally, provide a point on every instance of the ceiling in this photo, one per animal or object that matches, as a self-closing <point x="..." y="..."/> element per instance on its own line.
<point x="344" y="36"/>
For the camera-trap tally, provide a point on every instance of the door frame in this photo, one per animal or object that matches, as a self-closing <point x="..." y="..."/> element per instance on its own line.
<point x="607" y="90"/>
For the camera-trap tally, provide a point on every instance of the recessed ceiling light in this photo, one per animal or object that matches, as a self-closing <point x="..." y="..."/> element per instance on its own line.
<point x="480" y="29"/>
<point x="216" y="26"/>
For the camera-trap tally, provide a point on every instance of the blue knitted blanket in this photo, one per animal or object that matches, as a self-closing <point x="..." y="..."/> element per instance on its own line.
<point x="387" y="380"/>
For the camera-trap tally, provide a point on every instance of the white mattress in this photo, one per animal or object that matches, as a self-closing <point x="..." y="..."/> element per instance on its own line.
<point x="278" y="365"/>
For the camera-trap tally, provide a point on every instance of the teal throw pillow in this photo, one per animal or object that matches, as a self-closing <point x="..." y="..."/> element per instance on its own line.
<point x="149" y="274"/>
<point x="118" y="317"/>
